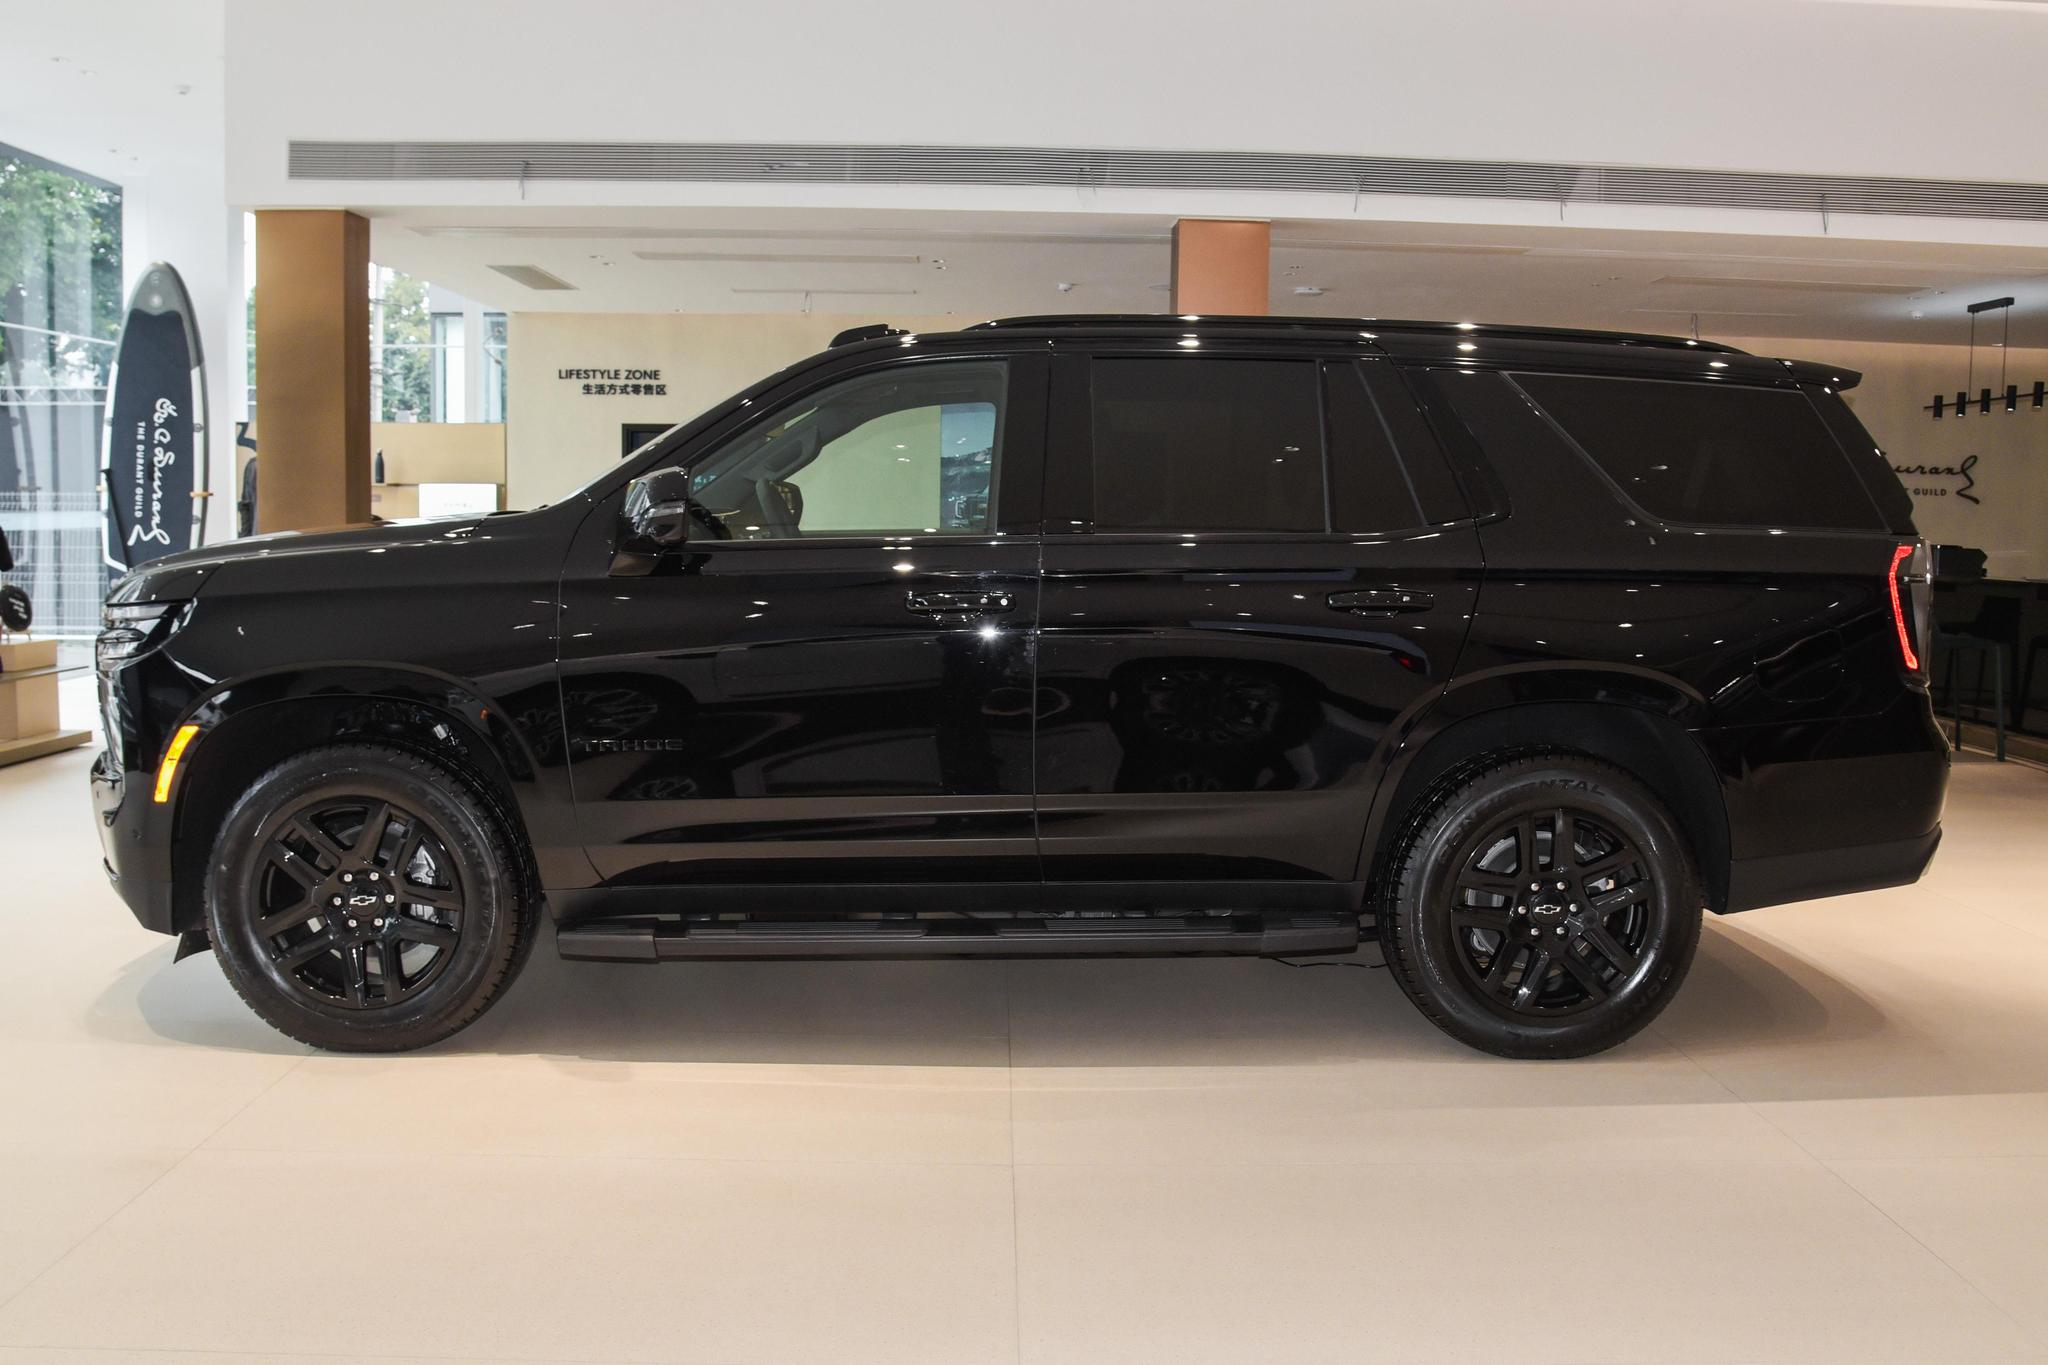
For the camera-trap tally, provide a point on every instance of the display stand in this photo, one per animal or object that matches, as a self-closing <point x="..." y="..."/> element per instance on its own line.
<point x="28" y="702"/>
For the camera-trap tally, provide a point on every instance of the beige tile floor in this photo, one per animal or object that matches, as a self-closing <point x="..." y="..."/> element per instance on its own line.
<point x="1833" y="1147"/>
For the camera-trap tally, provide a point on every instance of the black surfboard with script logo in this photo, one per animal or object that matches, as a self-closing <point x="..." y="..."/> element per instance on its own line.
<point x="154" y="458"/>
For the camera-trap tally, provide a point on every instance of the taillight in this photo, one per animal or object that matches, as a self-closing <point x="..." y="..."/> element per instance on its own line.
<point x="1912" y="569"/>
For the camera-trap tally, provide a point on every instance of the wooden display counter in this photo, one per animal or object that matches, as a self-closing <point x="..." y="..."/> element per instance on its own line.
<point x="28" y="702"/>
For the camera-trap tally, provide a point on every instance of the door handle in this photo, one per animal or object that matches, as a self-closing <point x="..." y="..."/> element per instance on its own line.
<point x="959" y="604"/>
<point x="1381" y="601"/>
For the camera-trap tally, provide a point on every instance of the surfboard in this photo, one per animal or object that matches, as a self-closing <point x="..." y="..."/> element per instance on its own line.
<point x="153" y="458"/>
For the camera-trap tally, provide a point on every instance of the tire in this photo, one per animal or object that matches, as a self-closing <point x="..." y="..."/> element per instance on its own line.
<point x="1518" y="945"/>
<point x="366" y="945"/>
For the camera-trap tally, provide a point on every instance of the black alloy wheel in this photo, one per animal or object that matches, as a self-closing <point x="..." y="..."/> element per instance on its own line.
<point x="1547" y="906"/>
<point x="357" y="902"/>
<point x="363" y="898"/>
<point x="1550" y="910"/>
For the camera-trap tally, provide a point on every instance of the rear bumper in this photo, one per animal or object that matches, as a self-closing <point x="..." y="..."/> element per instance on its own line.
<point x="1757" y="882"/>
<point x="131" y="852"/>
<point x="1831" y="807"/>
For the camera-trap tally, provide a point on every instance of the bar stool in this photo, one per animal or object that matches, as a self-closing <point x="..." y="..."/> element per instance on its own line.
<point x="1997" y="621"/>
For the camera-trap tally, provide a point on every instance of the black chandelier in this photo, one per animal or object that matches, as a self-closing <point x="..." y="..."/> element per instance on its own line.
<point x="2011" y="392"/>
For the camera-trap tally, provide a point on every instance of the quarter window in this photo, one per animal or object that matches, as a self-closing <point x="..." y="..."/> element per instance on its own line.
<point x="1709" y="454"/>
<point x="910" y="450"/>
<point x="1207" y="444"/>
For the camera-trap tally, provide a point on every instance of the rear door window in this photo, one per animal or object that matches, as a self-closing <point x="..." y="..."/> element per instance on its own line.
<point x="1709" y="454"/>
<point x="1201" y="443"/>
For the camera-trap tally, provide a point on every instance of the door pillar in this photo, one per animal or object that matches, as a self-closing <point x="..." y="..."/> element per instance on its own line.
<point x="1221" y="266"/>
<point x="312" y="368"/>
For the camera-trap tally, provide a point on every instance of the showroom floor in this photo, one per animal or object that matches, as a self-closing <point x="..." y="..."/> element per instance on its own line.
<point x="1834" y="1146"/>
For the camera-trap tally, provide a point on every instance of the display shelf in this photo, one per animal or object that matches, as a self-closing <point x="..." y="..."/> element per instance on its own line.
<point x="38" y="746"/>
<point x="29" y="726"/>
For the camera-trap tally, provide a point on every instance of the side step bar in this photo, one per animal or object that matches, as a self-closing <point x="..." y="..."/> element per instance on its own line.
<point x="1280" y="935"/>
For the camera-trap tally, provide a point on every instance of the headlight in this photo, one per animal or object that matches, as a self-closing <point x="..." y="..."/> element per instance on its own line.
<point x="128" y="632"/>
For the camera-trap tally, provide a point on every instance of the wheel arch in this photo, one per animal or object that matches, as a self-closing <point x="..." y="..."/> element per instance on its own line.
<point x="249" y="727"/>
<point x="1632" y="727"/>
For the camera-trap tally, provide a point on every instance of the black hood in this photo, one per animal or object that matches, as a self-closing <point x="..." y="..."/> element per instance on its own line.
<point x="175" y="577"/>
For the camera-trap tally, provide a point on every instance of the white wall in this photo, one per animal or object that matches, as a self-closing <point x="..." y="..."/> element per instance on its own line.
<point x="1926" y="88"/>
<point x="558" y="438"/>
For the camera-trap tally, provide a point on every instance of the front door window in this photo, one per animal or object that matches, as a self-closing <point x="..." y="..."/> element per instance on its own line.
<point x="906" y="451"/>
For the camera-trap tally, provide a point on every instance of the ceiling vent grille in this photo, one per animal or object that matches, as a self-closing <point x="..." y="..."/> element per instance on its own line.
<point x="1103" y="168"/>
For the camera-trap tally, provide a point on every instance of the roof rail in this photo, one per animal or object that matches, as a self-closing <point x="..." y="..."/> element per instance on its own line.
<point x="1064" y="321"/>
<point x="867" y="332"/>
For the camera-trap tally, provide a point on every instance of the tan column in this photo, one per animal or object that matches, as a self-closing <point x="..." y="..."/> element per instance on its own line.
<point x="1221" y="266"/>
<point x="312" y="368"/>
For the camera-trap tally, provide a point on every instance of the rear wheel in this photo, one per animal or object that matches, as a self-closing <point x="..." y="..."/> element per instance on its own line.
<point x="1544" y="907"/>
<point x="363" y="898"/>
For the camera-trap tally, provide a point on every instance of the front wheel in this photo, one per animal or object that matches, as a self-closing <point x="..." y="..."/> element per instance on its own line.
<point x="1547" y="906"/>
<point x="364" y="899"/>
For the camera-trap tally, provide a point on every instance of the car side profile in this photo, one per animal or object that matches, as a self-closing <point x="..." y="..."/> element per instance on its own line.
<point x="1512" y="650"/>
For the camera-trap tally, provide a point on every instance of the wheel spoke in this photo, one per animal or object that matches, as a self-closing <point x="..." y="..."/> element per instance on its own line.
<point x="1495" y="918"/>
<point x="429" y="897"/>
<point x="1610" y="948"/>
<point x="291" y="864"/>
<point x="322" y="844"/>
<point x="1563" y="851"/>
<point x="1580" y="971"/>
<point x="291" y="917"/>
<point x="408" y="847"/>
<point x="355" y="973"/>
<point x="1607" y="902"/>
<point x="375" y="820"/>
<point x="1525" y="847"/>
<point x="1503" y="960"/>
<point x="1607" y="864"/>
<point x="299" y="954"/>
<point x="1532" y="976"/>
<point x="389" y="967"/>
<point x="1488" y="883"/>
<point x="417" y="930"/>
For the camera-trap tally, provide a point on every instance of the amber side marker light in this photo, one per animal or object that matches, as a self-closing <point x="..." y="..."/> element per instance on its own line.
<point x="168" y="769"/>
<point x="1906" y="654"/>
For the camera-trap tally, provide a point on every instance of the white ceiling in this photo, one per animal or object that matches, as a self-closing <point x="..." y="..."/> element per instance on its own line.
<point x="979" y="265"/>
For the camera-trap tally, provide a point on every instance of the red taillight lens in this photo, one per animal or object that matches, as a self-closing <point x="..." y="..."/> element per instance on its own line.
<point x="1908" y="567"/>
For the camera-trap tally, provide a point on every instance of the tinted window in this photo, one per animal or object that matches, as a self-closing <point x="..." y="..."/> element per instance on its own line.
<point x="902" y="450"/>
<point x="1199" y="444"/>
<point x="1867" y="460"/>
<point x="1369" y="490"/>
<point x="1709" y="453"/>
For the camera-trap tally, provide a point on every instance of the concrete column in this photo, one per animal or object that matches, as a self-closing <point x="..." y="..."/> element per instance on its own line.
<point x="1221" y="266"/>
<point x="312" y="368"/>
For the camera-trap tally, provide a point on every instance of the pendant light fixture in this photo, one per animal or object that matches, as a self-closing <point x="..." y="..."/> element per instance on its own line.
<point x="2009" y="392"/>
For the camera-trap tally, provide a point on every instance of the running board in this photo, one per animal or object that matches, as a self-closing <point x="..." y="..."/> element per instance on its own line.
<point x="1280" y="935"/>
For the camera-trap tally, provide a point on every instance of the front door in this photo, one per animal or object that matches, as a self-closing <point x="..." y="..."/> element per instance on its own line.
<point x="1232" y="614"/>
<point x="831" y="682"/>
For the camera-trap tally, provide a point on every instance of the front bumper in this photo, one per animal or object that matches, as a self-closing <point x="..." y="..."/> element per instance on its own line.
<point x="133" y="848"/>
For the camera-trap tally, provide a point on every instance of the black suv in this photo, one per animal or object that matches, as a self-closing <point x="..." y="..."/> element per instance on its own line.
<point x="1510" y="649"/>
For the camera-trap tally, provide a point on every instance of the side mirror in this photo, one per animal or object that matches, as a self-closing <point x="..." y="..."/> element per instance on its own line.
<point x="658" y="510"/>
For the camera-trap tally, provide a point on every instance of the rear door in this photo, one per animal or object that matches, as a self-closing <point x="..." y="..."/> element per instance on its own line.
<point x="1255" y="562"/>
<point x="831" y="683"/>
